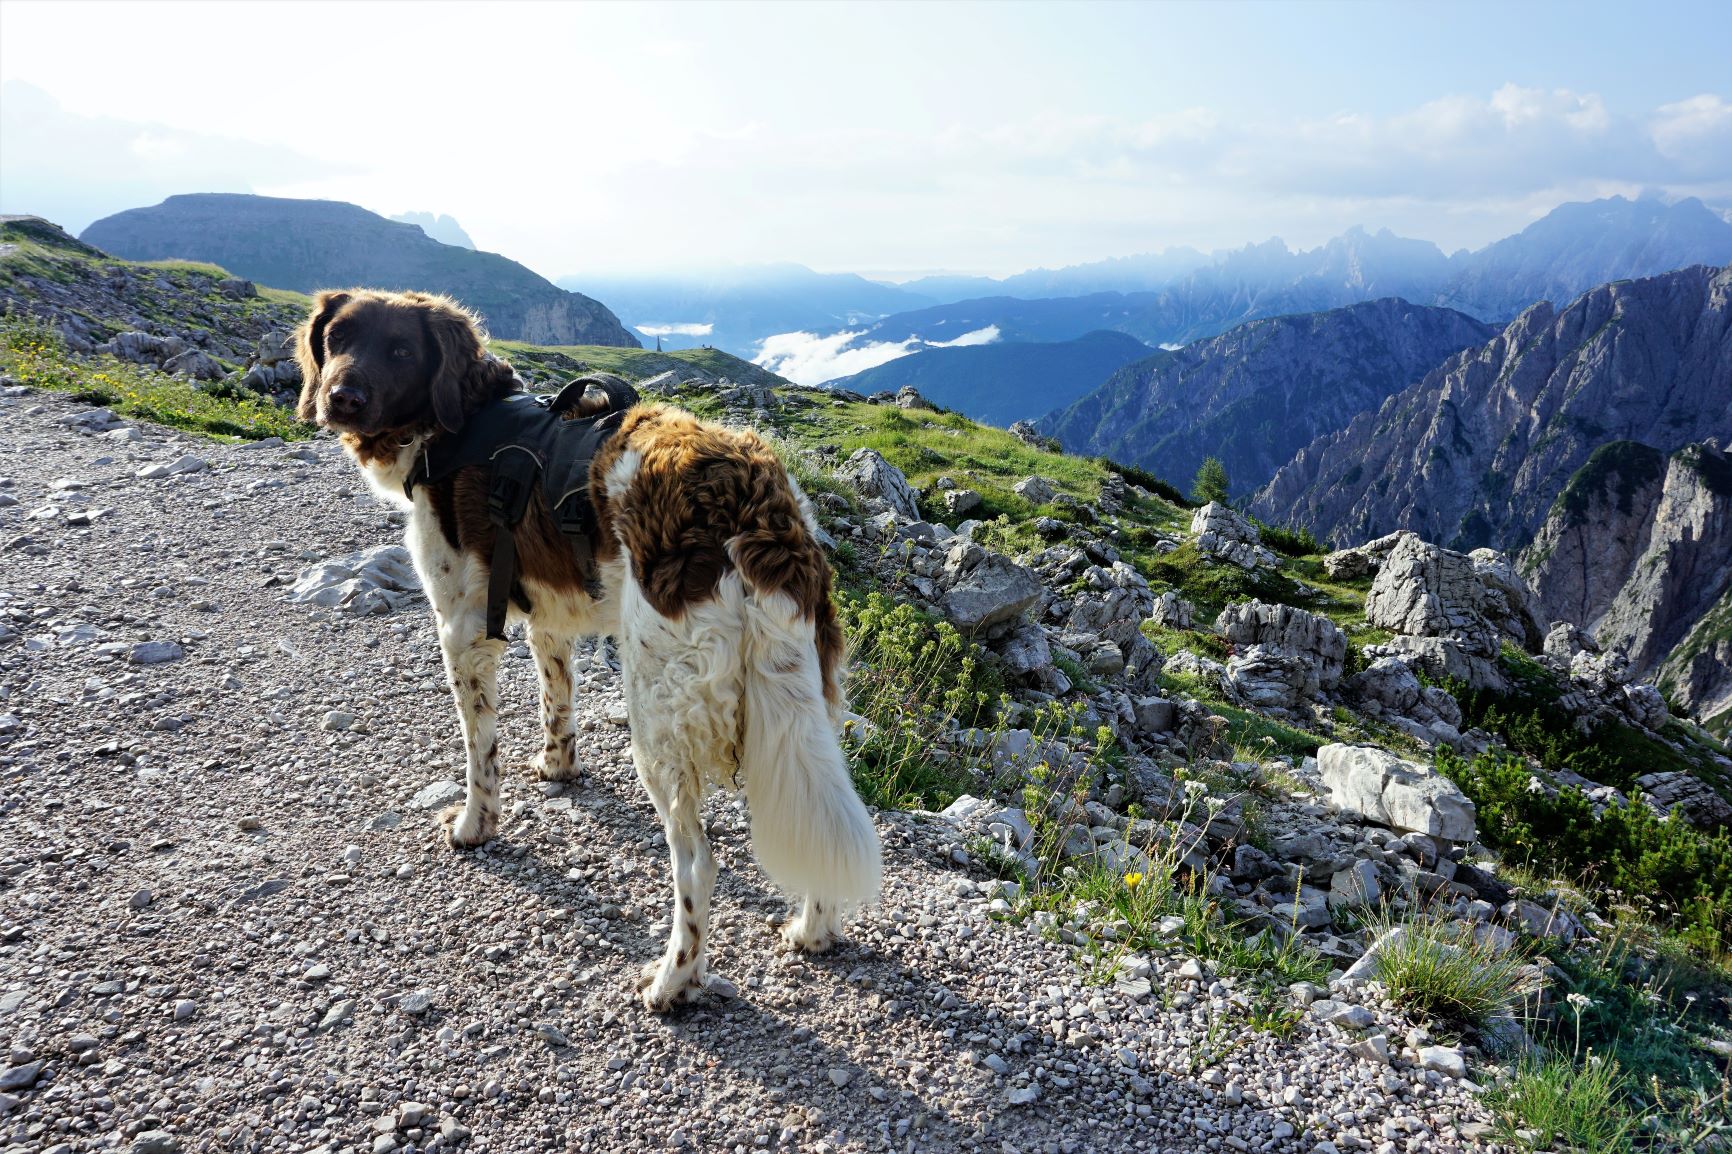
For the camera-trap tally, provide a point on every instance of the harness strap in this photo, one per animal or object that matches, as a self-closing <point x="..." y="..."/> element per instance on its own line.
<point x="515" y="473"/>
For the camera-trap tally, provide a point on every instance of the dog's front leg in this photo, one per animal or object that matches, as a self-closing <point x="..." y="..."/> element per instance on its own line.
<point x="558" y="758"/>
<point x="472" y="665"/>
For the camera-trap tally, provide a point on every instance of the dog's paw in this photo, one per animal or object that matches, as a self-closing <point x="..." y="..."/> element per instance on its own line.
<point x="662" y="985"/>
<point x="464" y="830"/>
<point x="809" y="940"/>
<point x="556" y="765"/>
<point x="814" y="931"/>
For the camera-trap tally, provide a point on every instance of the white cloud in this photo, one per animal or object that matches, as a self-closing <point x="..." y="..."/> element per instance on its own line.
<point x="983" y="336"/>
<point x="810" y="359"/>
<point x="1694" y="133"/>
<point x="676" y="330"/>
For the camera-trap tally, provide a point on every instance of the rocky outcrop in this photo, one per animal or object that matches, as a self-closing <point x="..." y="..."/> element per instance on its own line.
<point x="1698" y="674"/>
<point x="1638" y="549"/>
<point x="1593" y="533"/>
<point x="306" y="245"/>
<point x="1477" y="452"/>
<point x="1685" y="564"/>
<point x="1223" y="534"/>
<point x="1282" y="657"/>
<point x="1435" y="602"/>
<point x="879" y="480"/>
<point x="1390" y="691"/>
<point x="139" y="313"/>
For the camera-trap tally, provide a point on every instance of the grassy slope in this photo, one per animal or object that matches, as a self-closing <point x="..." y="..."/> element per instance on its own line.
<point x="169" y="292"/>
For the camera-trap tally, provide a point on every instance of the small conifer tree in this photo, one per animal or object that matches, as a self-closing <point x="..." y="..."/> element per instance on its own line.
<point x="1211" y="482"/>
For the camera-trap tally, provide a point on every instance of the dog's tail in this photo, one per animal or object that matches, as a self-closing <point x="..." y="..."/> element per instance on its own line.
<point x="810" y="831"/>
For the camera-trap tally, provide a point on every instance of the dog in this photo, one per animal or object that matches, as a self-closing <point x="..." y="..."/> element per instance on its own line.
<point x="706" y="571"/>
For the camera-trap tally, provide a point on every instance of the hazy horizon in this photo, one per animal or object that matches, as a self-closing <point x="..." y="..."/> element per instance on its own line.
<point x="894" y="142"/>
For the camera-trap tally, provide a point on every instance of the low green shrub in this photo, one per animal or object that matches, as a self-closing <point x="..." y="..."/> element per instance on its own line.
<point x="1685" y="871"/>
<point x="1290" y="541"/>
<point x="1529" y="720"/>
<point x="1147" y="480"/>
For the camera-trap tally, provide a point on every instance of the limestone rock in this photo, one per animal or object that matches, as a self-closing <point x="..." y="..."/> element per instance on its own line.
<point x="960" y="502"/>
<point x="1314" y="639"/>
<point x="377" y="580"/>
<point x="1381" y="787"/>
<point x="982" y="588"/>
<point x="1223" y="534"/>
<point x="876" y="478"/>
<point x="1035" y="490"/>
<point x="195" y="363"/>
<point x="1172" y="611"/>
<point x="1674" y="791"/>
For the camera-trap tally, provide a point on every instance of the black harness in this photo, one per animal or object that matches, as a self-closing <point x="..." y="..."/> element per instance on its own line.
<point x="524" y="440"/>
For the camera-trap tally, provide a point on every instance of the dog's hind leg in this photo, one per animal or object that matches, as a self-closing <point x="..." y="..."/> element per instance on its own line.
<point x="680" y="973"/>
<point x="558" y="759"/>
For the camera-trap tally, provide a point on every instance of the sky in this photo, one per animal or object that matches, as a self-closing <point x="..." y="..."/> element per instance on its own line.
<point x="891" y="140"/>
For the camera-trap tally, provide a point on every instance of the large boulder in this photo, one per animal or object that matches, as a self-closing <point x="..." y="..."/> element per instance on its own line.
<point x="982" y="589"/>
<point x="1314" y="639"/>
<point x="1380" y="787"/>
<point x="144" y="348"/>
<point x="1035" y="490"/>
<point x="1435" y="601"/>
<point x="1223" y="534"/>
<point x="1508" y="600"/>
<point x="1390" y="691"/>
<point x="195" y="363"/>
<point x="1348" y="564"/>
<point x="878" y="480"/>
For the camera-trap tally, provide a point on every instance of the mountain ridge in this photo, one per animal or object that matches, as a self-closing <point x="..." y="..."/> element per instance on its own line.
<point x="303" y="245"/>
<point x="1256" y="394"/>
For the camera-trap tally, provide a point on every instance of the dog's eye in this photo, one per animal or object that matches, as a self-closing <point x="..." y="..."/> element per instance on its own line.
<point x="400" y="352"/>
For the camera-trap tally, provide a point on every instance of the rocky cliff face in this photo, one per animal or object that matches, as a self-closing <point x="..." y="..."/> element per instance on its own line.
<point x="312" y="244"/>
<point x="1588" y="546"/>
<point x="1685" y="564"/>
<point x="1698" y="673"/>
<point x="1477" y="452"/>
<point x="1257" y="394"/>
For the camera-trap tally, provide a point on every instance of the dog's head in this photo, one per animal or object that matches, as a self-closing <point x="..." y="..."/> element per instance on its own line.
<point x="375" y="362"/>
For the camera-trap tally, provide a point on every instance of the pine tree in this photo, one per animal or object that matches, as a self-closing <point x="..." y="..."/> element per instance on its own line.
<point x="1211" y="482"/>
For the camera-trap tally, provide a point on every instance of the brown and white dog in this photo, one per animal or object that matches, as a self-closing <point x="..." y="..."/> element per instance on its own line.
<point x="712" y="584"/>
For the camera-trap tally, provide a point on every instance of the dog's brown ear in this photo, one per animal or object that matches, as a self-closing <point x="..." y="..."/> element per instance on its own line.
<point x="464" y="376"/>
<point x="310" y="349"/>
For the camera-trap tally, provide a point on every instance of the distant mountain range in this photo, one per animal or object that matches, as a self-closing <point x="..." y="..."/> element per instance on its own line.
<point x="1569" y="251"/>
<point x="1258" y="393"/>
<point x="1002" y="383"/>
<point x="314" y="244"/>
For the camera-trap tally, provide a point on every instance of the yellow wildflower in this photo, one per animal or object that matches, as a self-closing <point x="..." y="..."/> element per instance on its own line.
<point x="1133" y="880"/>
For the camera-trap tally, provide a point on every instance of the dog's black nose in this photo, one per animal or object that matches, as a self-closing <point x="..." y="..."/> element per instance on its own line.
<point x="347" y="400"/>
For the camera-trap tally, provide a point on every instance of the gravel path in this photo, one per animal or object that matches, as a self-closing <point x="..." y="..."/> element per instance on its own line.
<point x="226" y="922"/>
